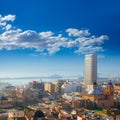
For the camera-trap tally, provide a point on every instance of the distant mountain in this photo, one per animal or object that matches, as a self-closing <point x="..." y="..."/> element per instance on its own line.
<point x="55" y="76"/>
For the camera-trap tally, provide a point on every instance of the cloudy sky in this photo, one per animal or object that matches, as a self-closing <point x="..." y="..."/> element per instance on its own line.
<point x="44" y="37"/>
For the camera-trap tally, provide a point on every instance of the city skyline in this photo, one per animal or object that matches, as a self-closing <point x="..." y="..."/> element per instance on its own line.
<point x="42" y="38"/>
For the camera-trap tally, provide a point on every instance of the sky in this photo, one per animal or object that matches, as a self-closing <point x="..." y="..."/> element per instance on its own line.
<point x="46" y="37"/>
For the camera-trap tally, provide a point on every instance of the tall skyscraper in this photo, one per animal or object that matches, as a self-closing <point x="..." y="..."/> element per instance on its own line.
<point x="90" y="69"/>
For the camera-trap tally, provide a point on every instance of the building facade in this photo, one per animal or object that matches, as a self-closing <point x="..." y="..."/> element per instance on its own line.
<point x="36" y="85"/>
<point x="58" y="84"/>
<point x="49" y="87"/>
<point x="97" y="98"/>
<point x="90" y="69"/>
<point x="16" y="115"/>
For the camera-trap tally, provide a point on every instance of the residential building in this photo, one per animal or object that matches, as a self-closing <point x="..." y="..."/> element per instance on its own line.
<point x="50" y="87"/>
<point x="36" y="85"/>
<point x="16" y="115"/>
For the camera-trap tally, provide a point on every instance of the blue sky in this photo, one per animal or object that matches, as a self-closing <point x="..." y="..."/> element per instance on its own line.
<point x="44" y="37"/>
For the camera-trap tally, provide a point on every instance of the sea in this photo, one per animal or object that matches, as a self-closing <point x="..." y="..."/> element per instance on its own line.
<point x="24" y="81"/>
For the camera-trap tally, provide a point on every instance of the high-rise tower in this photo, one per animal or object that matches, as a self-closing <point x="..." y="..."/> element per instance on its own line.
<point x="90" y="69"/>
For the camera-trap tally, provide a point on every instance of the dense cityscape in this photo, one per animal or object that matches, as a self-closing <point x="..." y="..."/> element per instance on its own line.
<point x="63" y="99"/>
<point x="59" y="60"/>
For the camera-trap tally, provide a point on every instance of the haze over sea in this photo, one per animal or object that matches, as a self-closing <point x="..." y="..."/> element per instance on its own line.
<point x="26" y="80"/>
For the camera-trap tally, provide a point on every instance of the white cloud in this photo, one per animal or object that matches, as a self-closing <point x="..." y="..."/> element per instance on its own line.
<point x="89" y="49"/>
<point x="46" y="34"/>
<point x="77" y="33"/>
<point x="7" y="18"/>
<point x="2" y="23"/>
<point x="47" y="42"/>
<point x="8" y="27"/>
